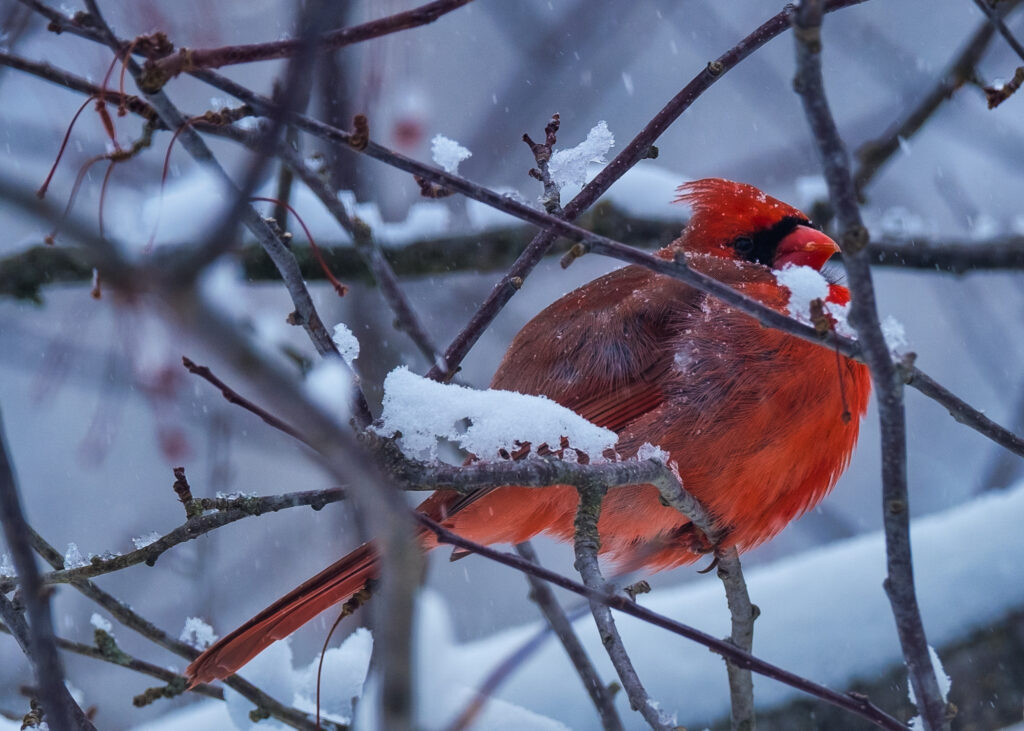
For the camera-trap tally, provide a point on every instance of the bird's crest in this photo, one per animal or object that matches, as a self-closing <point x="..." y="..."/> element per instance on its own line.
<point x="724" y="210"/>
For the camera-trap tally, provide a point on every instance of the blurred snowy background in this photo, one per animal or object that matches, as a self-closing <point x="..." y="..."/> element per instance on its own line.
<point x="97" y="408"/>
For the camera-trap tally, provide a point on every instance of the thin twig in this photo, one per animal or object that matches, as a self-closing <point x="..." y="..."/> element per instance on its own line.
<point x="547" y="602"/>
<point x="158" y="72"/>
<point x="586" y="544"/>
<point x="36" y="638"/>
<point x="874" y="154"/>
<point x="888" y="382"/>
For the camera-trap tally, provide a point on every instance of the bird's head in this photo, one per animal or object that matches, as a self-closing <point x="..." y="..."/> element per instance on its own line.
<point x="738" y="221"/>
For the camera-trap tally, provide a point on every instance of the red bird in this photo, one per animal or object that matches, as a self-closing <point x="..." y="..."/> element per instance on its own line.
<point x="758" y="421"/>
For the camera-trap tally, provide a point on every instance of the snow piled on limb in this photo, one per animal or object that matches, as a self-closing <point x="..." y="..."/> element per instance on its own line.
<point x="448" y="153"/>
<point x="346" y="342"/>
<point x="197" y="633"/>
<point x="805" y="285"/>
<point x="425" y="411"/>
<point x="569" y="167"/>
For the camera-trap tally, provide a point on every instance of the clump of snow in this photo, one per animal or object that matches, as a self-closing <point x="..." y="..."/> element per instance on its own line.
<point x="448" y="153"/>
<point x="344" y="673"/>
<point x="73" y="558"/>
<point x="197" y="633"/>
<point x="895" y="335"/>
<point x="146" y="540"/>
<point x="346" y="342"/>
<point x="569" y="167"/>
<point x="841" y="315"/>
<point x="944" y="685"/>
<point x="6" y="566"/>
<point x="100" y="623"/>
<point x="424" y="411"/>
<point x="233" y="495"/>
<point x="805" y="285"/>
<point x="330" y="385"/>
<point x="650" y="451"/>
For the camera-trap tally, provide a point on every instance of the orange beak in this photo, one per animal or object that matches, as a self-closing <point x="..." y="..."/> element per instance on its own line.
<point x="805" y="246"/>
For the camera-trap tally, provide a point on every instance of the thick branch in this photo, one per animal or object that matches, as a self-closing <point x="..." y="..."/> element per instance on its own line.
<point x="888" y="382"/>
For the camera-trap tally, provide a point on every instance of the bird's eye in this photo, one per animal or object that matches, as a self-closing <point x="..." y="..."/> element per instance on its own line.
<point x="743" y="245"/>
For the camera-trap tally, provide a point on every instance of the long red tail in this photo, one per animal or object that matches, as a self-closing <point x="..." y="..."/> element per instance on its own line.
<point x="333" y="585"/>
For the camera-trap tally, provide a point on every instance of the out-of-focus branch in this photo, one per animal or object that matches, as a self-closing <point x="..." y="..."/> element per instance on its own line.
<point x="547" y="602"/>
<point x="158" y="72"/>
<point x="996" y="20"/>
<point x="888" y="382"/>
<point x="35" y="637"/>
<point x="874" y="154"/>
<point x="586" y="544"/>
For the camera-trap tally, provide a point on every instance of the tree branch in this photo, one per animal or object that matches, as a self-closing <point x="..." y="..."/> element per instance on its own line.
<point x="888" y="382"/>
<point x="36" y="638"/>
<point x="160" y="71"/>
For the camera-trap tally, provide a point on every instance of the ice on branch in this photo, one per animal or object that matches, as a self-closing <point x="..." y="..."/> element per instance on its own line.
<point x="346" y="342"/>
<point x="330" y="385"/>
<point x="6" y="566"/>
<point x="425" y="411"/>
<point x="448" y="153"/>
<point x="146" y="540"/>
<point x="197" y="633"/>
<point x="569" y="167"/>
<point x="805" y="285"/>
<point x="73" y="558"/>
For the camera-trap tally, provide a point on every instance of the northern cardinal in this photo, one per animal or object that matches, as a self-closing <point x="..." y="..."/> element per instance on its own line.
<point x="760" y="423"/>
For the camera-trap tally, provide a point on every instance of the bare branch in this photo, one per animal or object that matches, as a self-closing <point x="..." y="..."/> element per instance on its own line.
<point x="158" y="72"/>
<point x="548" y="604"/>
<point x="888" y="382"/>
<point x="586" y="544"/>
<point x="743" y="613"/>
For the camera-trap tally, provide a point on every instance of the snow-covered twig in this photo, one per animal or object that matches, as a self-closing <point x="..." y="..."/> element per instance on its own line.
<point x="888" y="382"/>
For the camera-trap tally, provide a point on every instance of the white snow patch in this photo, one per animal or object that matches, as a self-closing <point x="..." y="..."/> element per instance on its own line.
<point x="330" y="385"/>
<point x="146" y="540"/>
<point x="448" y="153"/>
<point x="841" y="315"/>
<point x="197" y="633"/>
<point x="344" y="673"/>
<point x="101" y="623"/>
<point x="570" y="166"/>
<point x="6" y="565"/>
<point x="895" y="335"/>
<point x="805" y="285"/>
<point x="346" y="342"/>
<point x="650" y="451"/>
<point x="424" y="411"/>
